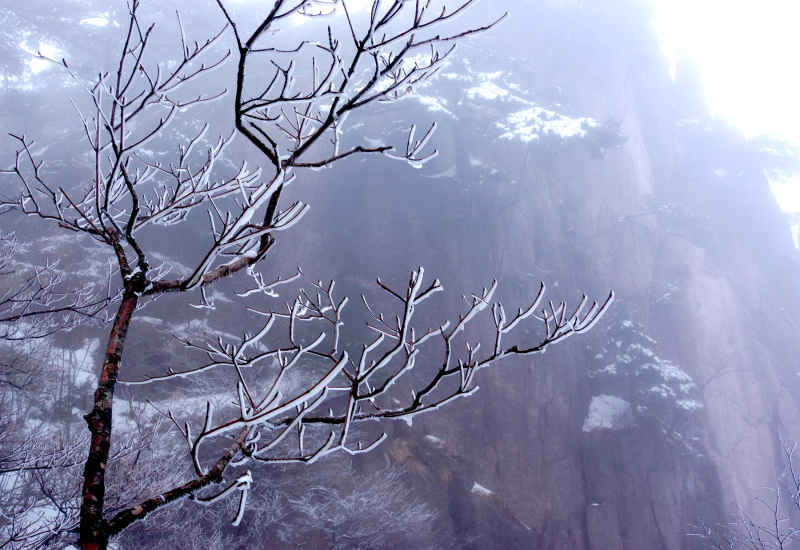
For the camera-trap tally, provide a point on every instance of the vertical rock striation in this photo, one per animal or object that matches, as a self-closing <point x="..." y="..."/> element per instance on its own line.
<point x="672" y="412"/>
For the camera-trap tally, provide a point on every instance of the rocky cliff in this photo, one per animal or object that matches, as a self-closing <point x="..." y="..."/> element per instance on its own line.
<point x="569" y="155"/>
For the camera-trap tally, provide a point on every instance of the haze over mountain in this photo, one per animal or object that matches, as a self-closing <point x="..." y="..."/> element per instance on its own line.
<point x="569" y="154"/>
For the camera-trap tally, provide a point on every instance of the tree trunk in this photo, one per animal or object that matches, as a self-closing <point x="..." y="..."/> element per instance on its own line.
<point x="93" y="532"/>
<point x="123" y="519"/>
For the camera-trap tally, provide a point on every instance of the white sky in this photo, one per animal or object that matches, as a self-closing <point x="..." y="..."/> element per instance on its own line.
<point x="748" y="54"/>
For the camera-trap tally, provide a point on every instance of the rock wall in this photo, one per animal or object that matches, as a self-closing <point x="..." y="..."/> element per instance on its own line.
<point x="676" y="216"/>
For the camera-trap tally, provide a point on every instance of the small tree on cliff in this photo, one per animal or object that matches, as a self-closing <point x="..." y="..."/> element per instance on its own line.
<point x="773" y="526"/>
<point x="377" y="57"/>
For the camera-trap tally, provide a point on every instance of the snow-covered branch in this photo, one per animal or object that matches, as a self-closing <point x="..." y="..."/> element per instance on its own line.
<point x="37" y="300"/>
<point x="381" y="57"/>
<point x="300" y="400"/>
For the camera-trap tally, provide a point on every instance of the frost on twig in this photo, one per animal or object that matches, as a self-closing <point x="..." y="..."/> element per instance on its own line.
<point x="297" y="111"/>
<point x="300" y="396"/>
<point x="413" y="153"/>
<point x="37" y="300"/>
<point x="128" y="191"/>
<point x="41" y="459"/>
<point x="297" y="393"/>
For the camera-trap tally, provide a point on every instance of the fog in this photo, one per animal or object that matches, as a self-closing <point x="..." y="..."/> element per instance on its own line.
<point x="600" y="149"/>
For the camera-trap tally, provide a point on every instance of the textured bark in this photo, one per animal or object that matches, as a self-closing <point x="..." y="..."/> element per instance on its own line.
<point x="93" y="533"/>
<point x="240" y="263"/>
<point x="124" y="518"/>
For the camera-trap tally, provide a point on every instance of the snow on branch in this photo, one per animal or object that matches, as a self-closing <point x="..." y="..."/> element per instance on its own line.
<point x="300" y="396"/>
<point x="36" y="300"/>
<point x="295" y="393"/>
<point x="128" y="189"/>
<point x="377" y="58"/>
<point x="288" y="117"/>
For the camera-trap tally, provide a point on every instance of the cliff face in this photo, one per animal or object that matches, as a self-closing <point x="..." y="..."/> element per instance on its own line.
<point x="672" y="412"/>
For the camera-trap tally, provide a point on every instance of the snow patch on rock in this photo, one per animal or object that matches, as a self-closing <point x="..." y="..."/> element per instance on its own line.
<point x="479" y="489"/>
<point x="608" y="412"/>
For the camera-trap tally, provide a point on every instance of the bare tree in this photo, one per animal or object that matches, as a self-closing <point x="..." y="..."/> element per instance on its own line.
<point x="295" y="123"/>
<point x="302" y="507"/>
<point x="42" y="449"/>
<point x="36" y="302"/>
<point x="773" y="526"/>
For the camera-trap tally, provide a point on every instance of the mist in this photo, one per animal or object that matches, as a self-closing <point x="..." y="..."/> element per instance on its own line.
<point x="576" y="149"/>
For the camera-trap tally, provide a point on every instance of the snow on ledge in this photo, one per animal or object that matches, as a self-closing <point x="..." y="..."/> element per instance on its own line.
<point x="479" y="489"/>
<point x="607" y="412"/>
<point x="531" y="123"/>
<point x="97" y="21"/>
